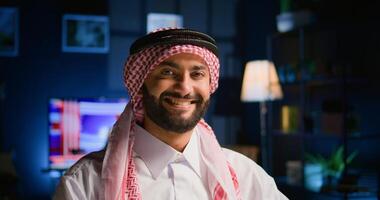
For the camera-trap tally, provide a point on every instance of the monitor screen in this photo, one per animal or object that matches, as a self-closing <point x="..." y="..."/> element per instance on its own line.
<point x="80" y="126"/>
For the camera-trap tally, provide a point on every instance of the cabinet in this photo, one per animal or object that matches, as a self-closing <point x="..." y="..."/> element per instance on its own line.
<point x="330" y="96"/>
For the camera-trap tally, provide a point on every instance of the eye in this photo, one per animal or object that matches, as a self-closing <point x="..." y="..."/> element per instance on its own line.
<point x="167" y="72"/>
<point x="198" y="74"/>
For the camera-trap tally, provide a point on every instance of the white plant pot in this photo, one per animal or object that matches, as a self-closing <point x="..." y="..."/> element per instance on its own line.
<point x="313" y="174"/>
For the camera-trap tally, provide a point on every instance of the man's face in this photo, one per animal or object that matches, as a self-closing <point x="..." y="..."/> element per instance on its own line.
<point x="176" y="93"/>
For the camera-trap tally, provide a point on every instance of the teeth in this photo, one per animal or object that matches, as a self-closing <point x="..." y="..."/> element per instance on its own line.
<point x="179" y="102"/>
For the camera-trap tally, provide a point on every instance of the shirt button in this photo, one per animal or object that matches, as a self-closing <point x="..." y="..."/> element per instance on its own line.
<point x="179" y="158"/>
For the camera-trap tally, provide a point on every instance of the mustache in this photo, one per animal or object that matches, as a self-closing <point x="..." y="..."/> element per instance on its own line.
<point x="196" y="97"/>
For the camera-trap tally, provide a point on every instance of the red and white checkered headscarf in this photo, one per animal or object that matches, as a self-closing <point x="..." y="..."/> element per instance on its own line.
<point x="119" y="173"/>
<point x="139" y="65"/>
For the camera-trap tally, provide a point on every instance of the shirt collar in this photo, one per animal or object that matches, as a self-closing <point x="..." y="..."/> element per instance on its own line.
<point x="157" y="154"/>
<point x="192" y="154"/>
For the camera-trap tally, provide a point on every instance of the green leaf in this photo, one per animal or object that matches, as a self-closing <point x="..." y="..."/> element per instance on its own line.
<point x="351" y="157"/>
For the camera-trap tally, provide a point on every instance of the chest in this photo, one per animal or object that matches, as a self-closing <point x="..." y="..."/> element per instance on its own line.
<point x="176" y="181"/>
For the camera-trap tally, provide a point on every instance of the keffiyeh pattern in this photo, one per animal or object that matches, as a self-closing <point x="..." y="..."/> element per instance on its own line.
<point x="119" y="173"/>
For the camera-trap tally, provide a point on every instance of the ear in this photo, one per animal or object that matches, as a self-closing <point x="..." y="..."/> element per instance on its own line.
<point x="140" y="92"/>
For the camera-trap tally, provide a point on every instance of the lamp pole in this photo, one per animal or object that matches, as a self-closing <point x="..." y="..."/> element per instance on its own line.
<point x="261" y="84"/>
<point x="263" y="134"/>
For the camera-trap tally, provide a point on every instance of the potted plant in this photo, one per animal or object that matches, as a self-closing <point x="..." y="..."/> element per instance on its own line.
<point x="289" y="19"/>
<point x="332" y="166"/>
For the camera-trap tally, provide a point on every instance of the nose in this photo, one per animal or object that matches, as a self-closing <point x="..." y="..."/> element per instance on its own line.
<point x="184" y="84"/>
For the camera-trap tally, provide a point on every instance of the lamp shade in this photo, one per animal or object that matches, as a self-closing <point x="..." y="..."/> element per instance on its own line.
<point x="260" y="82"/>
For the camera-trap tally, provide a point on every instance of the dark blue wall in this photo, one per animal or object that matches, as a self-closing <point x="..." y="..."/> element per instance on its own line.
<point x="40" y="71"/>
<point x="256" y="19"/>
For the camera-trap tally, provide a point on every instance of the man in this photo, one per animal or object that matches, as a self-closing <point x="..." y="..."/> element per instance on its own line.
<point x="160" y="147"/>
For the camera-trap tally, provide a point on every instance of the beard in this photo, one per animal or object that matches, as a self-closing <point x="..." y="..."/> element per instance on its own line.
<point x="172" y="121"/>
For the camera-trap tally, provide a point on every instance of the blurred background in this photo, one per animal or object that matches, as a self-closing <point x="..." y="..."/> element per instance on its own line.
<point x="317" y="133"/>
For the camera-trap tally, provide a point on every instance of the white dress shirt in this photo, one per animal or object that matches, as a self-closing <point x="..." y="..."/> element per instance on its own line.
<point x="165" y="173"/>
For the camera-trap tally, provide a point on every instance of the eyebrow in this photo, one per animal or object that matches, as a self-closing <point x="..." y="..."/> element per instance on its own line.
<point x="175" y="65"/>
<point x="199" y="67"/>
<point x="170" y="64"/>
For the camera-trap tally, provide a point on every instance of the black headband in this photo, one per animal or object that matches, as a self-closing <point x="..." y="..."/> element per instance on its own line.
<point x="174" y="37"/>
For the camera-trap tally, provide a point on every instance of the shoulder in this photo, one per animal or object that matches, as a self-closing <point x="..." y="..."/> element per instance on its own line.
<point x="254" y="182"/>
<point x="83" y="179"/>
<point x="91" y="162"/>
<point x="242" y="164"/>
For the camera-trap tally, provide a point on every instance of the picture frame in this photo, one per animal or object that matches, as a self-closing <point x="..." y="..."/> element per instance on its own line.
<point x="163" y="20"/>
<point x="9" y="31"/>
<point x="85" y="33"/>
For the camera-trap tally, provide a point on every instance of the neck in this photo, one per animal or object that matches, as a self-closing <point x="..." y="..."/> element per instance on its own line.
<point x="178" y="141"/>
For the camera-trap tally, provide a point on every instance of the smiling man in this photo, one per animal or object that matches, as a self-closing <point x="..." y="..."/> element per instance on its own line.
<point x="160" y="147"/>
<point x="175" y="97"/>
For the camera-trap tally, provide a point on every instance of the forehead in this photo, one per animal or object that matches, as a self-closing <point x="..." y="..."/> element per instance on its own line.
<point x="185" y="60"/>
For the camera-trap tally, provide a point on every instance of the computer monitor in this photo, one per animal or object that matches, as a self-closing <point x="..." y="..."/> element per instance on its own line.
<point x="78" y="126"/>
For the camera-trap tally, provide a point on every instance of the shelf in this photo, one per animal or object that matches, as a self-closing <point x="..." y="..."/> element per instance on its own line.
<point x="299" y="134"/>
<point x="307" y="135"/>
<point x="320" y="82"/>
<point x="364" y="137"/>
<point x="350" y="191"/>
<point x="312" y="28"/>
<point x="322" y="70"/>
<point x="317" y="28"/>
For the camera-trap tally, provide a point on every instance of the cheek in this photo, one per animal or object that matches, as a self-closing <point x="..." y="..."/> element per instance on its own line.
<point x="156" y="87"/>
<point x="204" y="90"/>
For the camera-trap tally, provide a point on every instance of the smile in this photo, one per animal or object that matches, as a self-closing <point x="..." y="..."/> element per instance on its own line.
<point x="180" y="102"/>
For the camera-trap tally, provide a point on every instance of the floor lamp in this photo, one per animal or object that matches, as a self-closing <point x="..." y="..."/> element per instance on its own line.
<point x="261" y="84"/>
